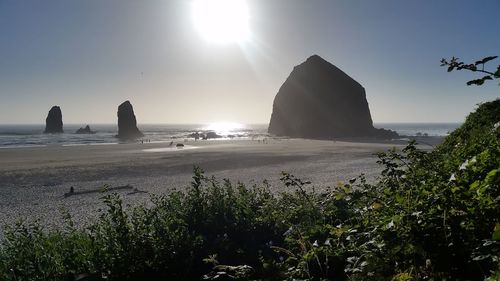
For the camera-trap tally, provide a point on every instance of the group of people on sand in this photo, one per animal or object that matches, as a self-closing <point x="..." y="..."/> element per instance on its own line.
<point x="263" y="141"/>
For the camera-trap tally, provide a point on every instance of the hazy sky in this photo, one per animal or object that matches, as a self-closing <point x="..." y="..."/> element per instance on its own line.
<point x="88" y="56"/>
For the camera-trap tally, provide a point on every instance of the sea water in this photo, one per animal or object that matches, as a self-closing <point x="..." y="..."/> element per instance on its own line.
<point x="105" y="134"/>
<point x="415" y="129"/>
<point x="32" y="135"/>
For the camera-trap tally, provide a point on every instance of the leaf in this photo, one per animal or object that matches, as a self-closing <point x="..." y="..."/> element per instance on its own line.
<point x="340" y="195"/>
<point x="399" y="198"/>
<point x="474" y="185"/>
<point x="496" y="233"/>
<point x="491" y="175"/>
<point x="476" y="82"/>
<point x="486" y="59"/>
<point x="376" y="205"/>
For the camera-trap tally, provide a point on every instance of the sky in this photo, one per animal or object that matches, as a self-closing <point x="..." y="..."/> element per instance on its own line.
<point x="88" y="56"/>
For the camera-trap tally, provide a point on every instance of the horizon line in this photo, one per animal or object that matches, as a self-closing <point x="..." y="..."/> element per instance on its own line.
<point x="208" y="123"/>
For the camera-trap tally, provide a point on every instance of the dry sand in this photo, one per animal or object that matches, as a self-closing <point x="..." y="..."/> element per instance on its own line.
<point x="33" y="181"/>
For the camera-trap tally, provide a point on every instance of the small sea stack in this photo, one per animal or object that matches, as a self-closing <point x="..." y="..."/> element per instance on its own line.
<point x="127" y="123"/>
<point x="320" y="101"/>
<point x="53" y="122"/>
<point x="85" y="130"/>
<point x="212" y="135"/>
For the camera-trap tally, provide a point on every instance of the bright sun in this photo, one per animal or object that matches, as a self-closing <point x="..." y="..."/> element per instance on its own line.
<point x="221" y="21"/>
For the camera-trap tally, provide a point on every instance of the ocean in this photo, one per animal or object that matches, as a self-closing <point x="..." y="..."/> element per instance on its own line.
<point x="414" y="129"/>
<point x="32" y="135"/>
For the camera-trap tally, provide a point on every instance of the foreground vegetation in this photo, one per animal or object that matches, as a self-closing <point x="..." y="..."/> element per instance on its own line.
<point x="429" y="216"/>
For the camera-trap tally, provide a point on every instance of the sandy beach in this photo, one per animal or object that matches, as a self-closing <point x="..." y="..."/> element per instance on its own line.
<point x="34" y="181"/>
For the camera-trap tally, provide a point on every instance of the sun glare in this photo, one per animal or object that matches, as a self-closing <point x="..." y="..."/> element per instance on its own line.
<point x="224" y="127"/>
<point x="221" y="21"/>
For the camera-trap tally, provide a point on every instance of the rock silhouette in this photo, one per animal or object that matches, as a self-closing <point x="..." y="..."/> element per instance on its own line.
<point x="320" y="101"/>
<point x="206" y="136"/>
<point x="53" y="122"/>
<point x="85" y="130"/>
<point x="127" y="124"/>
<point x="212" y="135"/>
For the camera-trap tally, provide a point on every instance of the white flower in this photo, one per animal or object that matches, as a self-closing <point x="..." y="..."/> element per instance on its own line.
<point x="496" y="126"/>
<point x="467" y="163"/>
<point x="417" y="214"/>
<point x="452" y="178"/>
<point x="327" y="242"/>
<point x="390" y="224"/>
<point x="315" y="244"/>
<point x="473" y="160"/>
<point x="464" y="165"/>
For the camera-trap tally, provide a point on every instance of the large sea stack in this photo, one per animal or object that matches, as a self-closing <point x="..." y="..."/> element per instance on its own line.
<point x="320" y="101"/>
<point x="53" y="122"/>
<point x="127" y="124"/>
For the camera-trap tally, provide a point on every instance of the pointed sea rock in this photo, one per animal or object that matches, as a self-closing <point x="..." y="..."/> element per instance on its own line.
<point x="320" y="101"/>
<point x="127" y="124"/>
<point x="53" y="122"/>
<point x="85" y="130"/>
